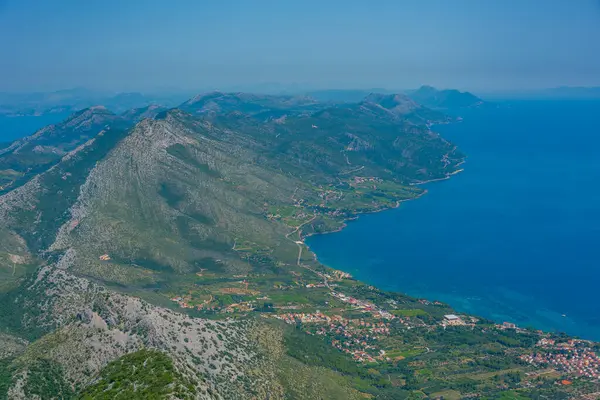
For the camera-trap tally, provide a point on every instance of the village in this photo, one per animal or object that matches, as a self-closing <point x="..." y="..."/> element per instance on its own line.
<point x="365" y="339"/>
<point x="573" y="357"/>
<point x="357" y="337"/>
<point x="363" y="305"/>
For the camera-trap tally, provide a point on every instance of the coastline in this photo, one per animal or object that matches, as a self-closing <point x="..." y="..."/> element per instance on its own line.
<point x="426" y="297"/>
<point x="304" y="236"/>
<point x="497" y="210"/>
<point x="448" y="176"/>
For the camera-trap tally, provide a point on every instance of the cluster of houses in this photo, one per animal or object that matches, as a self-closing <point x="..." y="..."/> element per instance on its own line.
<point x="182" y="302"/>
<point x="357" y="354"/>
<point x="328" y="194"/>
<point x="452" y="320"/>
<point x="244" y="306"/>
<point x="292" y="318"/>
<point x="339" y="275"/>
<point x="373" y="327"/>
<point x="363" y="305"/>
<point x="363" y="179"/>
<point x="357" y="337"/>
<point x="573" y="357"/>
<point x="458" y="320"/>
<point x="335" y="275"/>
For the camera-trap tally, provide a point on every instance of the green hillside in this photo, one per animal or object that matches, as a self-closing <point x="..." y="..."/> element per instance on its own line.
<point x="166" y="259"/>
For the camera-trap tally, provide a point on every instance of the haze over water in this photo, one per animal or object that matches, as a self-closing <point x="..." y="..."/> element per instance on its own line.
<point x="515" y="237"/>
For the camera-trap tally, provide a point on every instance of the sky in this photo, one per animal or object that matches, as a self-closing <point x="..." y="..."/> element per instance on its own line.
<point x="145" y="45"/>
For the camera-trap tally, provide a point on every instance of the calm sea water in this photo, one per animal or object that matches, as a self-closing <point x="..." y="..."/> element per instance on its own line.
<point x="12" y="128"/>
<point x="515" y="237"/>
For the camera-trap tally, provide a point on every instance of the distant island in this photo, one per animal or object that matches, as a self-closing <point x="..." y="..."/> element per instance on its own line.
<point x="445" y="99"/>
<point x="427" y="96"/>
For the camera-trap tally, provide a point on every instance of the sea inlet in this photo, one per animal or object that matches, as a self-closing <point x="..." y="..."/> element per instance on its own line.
<point x="514" y="237"/>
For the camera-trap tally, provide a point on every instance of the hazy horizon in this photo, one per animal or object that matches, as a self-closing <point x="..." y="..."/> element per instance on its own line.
<point x="282" y="89"/>
<point x="148" y="45"/>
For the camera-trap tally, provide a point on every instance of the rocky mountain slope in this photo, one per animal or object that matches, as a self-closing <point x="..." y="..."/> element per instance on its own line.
<point x="176" y="245"/>
<point x="143" y="207"/>
<point x="139" y="114"/>
<point x="34" y="154"/>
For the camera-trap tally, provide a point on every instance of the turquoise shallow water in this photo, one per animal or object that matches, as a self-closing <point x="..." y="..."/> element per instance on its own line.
<point x="515" y="237"/>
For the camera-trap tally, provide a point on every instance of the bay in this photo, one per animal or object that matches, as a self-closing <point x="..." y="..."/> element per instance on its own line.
<point x="514" y="237"/>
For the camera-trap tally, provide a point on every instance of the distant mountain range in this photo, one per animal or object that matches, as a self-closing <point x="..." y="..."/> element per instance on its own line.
<point x="345" y="95"/>
<point x="26" y="104"/>
<point x="71" y="100"/>
<point x="427" y="96"/>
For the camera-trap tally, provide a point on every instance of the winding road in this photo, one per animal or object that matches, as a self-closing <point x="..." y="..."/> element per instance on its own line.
<point x="300" y="243"/>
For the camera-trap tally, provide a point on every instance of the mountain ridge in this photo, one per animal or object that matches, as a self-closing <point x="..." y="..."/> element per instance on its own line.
<point x="183" y="233"/>
<point x="28" y="156"/>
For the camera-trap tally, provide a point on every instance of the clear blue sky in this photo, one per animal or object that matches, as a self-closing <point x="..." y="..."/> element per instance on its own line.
<point x="189" y="44"/>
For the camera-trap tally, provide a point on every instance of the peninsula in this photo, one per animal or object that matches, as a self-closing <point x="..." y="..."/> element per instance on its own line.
<point x="173" y="239"/>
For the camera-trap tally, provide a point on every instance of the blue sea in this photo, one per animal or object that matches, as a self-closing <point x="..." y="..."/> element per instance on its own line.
<point x="514" y="237"/>
<point x="12" y="128"/>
